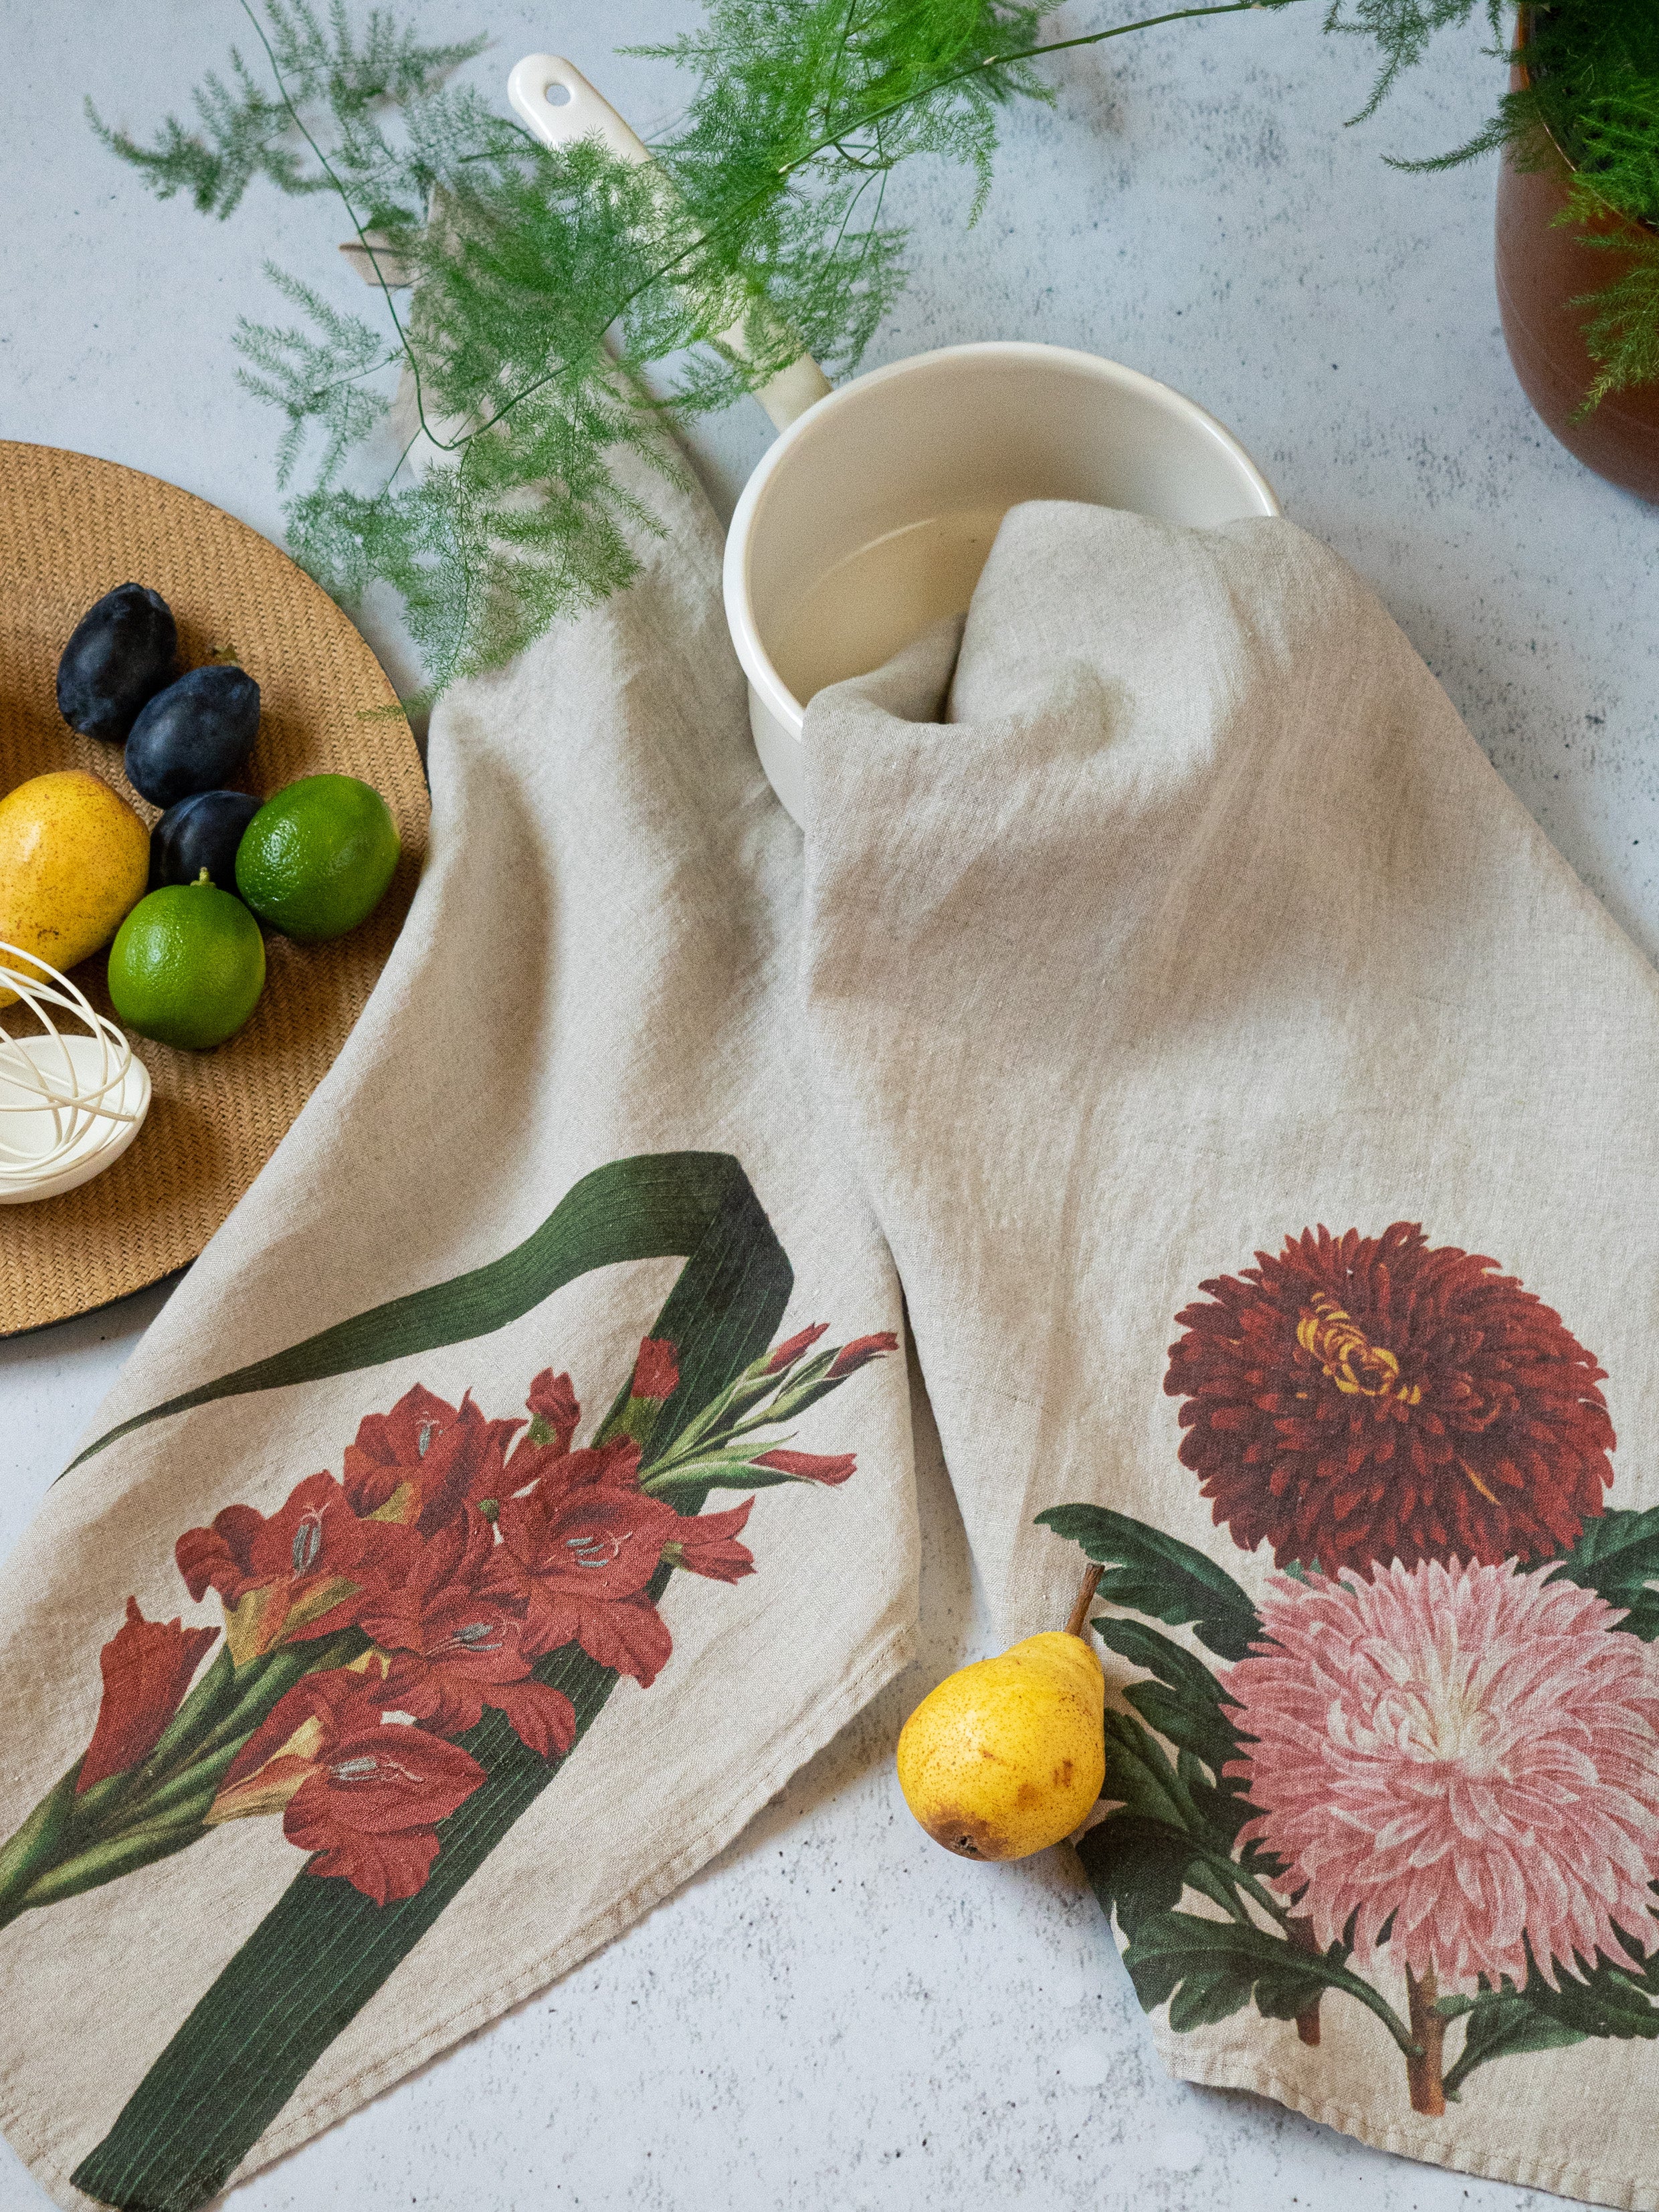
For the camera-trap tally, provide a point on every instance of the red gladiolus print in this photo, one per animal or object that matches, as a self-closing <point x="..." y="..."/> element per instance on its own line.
<point x="615" y="1465"/>
<point x="304" y="1718"/>
<point x="449" y="1574"/>
<point x="147" y="1666"/>
<point x="368" y="1809"/>
<point x="586" y="1556"/>
<point x="1362" y="1399"/>
<point x="362" y="1792"/>
<point x="706" y="1544"/>
<point x="657" y="1370"/>
<point x="809" y="1466"/>
<point x="791" y="1348"/>
<point x="603" y="1542"/>
<point x="299" y="1574"/>
<point x="859" y="1353"/>
<point x="424" y="1459"/>
<point x="455" y="1641"/>
<point x="553" y="1402"/>
<point x="631" y="1637"/>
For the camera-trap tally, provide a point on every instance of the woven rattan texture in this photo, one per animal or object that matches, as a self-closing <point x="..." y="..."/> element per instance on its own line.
<point x="70" y="528"/>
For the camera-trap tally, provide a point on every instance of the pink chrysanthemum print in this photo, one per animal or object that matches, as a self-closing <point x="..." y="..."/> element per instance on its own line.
<point x="1472" y="1750"/>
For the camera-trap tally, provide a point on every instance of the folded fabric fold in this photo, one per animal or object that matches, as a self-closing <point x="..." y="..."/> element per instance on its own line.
<point x="1260" y="1115"/>
<point x="425" y="1606"/>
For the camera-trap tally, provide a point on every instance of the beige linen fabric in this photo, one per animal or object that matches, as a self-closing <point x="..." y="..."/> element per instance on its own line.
<point x="600" y="963"/>
<point x="1194" y="920"/>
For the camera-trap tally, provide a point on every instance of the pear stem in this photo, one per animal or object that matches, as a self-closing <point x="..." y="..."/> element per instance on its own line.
<point x="1085" y="1597"/>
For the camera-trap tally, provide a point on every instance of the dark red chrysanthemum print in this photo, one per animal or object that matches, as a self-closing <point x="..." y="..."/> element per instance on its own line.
<point x="1374" y="1398"/>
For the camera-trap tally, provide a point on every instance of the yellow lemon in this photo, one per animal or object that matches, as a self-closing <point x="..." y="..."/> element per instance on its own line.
<point x="1006" y="1757"/>
<point x="73" y="857"/>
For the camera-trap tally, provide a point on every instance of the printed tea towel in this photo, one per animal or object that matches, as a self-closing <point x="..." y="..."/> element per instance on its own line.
<point x="416" y="1625"/>
<point x="1265" y="1122"/>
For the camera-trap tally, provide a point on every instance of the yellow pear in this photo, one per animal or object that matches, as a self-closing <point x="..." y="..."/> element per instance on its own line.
<point x="1007" y="1756"/>
<point x="73" y="857"/>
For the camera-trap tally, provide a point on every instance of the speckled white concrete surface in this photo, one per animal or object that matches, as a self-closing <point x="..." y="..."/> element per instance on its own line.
<point x="834" y="2015"/>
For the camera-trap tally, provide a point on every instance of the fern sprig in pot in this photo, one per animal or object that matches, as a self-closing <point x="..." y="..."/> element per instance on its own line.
<point x="1577" y="205"/>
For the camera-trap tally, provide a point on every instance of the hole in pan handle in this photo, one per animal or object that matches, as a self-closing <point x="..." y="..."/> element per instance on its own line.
<point x="534" y="88"/>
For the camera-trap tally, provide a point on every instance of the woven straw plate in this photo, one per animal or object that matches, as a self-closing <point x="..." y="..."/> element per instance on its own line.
<point x="70" y="530"/>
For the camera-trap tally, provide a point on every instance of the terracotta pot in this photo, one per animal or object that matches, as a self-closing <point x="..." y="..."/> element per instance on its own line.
<point x="1540" y="269"/>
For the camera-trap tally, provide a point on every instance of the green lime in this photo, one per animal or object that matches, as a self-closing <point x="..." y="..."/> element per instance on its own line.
<point x="316" y="859"/>
<point x="187" y="965"/>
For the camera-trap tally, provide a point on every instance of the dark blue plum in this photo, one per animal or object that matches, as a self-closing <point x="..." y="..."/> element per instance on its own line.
<point x="200" y="832"/>
<point x="194" y="736"/>
<point x="119" y="656"/>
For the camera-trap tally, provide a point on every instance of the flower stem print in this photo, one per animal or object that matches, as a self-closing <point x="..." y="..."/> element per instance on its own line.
<point x="1424" y="1774"/>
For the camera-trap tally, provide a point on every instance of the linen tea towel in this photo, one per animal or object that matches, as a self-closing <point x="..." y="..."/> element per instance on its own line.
<point x="442" y="1458"/>
<point x="1262" y="1118"/>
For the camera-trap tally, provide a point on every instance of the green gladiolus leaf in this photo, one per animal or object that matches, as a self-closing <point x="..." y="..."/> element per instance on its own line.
<point x="124" y="1854"/>
<point x="35" y="1845"/>
<point x="660" y="1205"/>
<point x="718" y="1473"/>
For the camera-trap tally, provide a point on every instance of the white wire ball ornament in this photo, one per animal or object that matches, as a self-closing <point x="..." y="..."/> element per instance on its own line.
<point x="72" y="1101"/>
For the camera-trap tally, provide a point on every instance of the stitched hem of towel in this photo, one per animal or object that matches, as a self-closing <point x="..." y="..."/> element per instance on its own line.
<point x="1224" y="2070"/>
<point x="790" y="1751"/>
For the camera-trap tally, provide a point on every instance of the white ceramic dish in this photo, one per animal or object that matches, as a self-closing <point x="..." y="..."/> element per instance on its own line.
<point x="872" y="514"/>
<point x="71" y="1100"/>
<point x="95" y="1144"/>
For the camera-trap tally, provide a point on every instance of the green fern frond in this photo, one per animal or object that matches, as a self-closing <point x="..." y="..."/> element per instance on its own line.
<point x="1403" y="31"/>
<point x="315" y="380"/>
<point x="1622" y="332"/>
<point x="1614" y="136"/>
<point x="1621" y="324"/>
<point x="482" y="563"/>
<point x="1593" y="66"/>
<point x="836" y="84"/>
<point x="245" y="127"/>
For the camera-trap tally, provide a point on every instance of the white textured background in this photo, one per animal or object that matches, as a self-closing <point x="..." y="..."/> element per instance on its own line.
<point x="834" y="2014"/>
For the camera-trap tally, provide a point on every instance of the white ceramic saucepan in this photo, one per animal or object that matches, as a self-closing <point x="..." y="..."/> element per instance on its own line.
<point x="872" y="514"/>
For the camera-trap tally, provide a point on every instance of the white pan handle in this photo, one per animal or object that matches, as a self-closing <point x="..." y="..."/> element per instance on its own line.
<point x="579" y="114"/>
<point x="534" y="88"/>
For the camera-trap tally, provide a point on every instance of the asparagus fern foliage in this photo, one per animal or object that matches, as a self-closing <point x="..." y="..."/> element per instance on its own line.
<point x="543" y="285"/>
